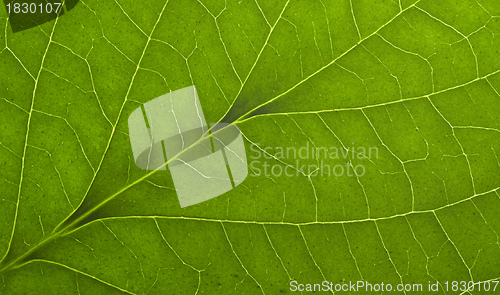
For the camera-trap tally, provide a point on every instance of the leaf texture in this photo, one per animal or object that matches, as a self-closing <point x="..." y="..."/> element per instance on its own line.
<point x="417" y="79"/>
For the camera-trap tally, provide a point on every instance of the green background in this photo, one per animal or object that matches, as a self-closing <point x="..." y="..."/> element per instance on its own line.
<point x="420" y="80"/>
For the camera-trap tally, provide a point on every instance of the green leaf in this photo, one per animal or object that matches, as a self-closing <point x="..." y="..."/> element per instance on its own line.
<point x="418" y="81"/>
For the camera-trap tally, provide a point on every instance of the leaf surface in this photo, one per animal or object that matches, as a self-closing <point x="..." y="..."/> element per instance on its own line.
<point x="417" y="80"/>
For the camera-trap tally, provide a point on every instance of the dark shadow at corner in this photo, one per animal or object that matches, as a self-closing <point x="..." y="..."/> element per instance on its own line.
<point x="27" y="14"/>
